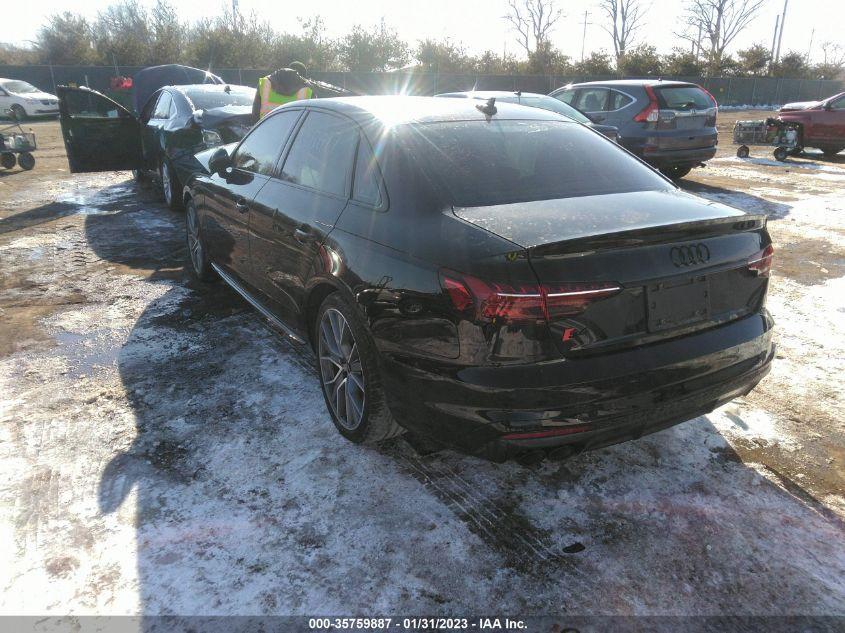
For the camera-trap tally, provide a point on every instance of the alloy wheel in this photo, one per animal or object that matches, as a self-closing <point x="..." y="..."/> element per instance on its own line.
<point x="194" y="242"/>
<point x="341" y="371"/>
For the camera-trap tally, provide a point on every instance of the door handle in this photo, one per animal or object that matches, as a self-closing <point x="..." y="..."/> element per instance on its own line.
<point x="241" y="206"/>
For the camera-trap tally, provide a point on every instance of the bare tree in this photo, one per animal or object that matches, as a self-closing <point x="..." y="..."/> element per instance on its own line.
<point x="719" y="22"/>
<point x="833" y="62"/>
<point x="534" y="21"/>
<point x="625" y="17"/>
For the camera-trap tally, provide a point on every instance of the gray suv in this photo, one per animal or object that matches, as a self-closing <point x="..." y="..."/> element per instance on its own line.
<point x="669" y="124"/>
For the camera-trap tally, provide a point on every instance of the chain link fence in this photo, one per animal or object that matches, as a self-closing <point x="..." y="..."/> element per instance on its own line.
<point x="729" y="91"/>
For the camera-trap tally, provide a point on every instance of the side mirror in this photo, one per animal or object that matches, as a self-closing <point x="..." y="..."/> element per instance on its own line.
<point x="220" y="161"/>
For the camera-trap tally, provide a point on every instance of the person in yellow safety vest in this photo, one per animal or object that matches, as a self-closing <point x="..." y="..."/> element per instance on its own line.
<point x="283" y="86"/>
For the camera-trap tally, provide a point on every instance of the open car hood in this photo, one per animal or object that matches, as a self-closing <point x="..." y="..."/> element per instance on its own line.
<point x="145" y="82"/>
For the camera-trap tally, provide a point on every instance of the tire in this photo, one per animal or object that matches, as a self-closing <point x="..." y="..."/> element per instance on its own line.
<point x="140" y="175"/>
<point x="675" y="172"/>
<point x="18" y="112"/>
<point x="170" y="185"/>
<point x="7" y="160"/>
<point x="781" y="153"/>
<point x="743" y="151"/>
<point x="26" y="160"/>
<point x="197" y="253"/>
<point x="831" y="151"/>
<point x="347" y="366"/>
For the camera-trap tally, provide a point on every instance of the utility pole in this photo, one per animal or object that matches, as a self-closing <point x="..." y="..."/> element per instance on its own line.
<point x="780" y="35"/>
<point x="810" y="47"/>
<point x="775" y="37"/>
<point x="584" y="35"/>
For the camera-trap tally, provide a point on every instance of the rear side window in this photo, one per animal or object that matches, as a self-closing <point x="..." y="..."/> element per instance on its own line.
<point x="260" y="150"/>
<point x="322" y="153"/>
<point x="618" y="100"/>
<point x="475" y="163"/>
<point x="365" y="187"/>
<point x="683" y="98"/>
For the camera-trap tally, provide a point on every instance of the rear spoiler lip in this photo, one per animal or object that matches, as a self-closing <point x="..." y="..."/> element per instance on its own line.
<point x="641" y="236"/>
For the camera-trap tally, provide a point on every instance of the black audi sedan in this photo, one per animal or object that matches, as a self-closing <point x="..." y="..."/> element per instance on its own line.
<point x="495" y="277"/>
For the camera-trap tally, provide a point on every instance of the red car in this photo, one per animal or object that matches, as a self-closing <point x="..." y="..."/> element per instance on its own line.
<point x="822" y="122"/>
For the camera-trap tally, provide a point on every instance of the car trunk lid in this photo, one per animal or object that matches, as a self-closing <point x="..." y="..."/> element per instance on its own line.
<point x="630" y="269"/>
<point x="231" y="121"/>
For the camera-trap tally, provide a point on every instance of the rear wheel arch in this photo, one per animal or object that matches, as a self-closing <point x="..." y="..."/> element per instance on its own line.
<point x="313" y="300"/>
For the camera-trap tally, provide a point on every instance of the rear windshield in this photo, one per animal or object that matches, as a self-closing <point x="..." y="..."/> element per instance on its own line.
<point x="683" y="98"/>
<point x="208" y="99"/>
<point x="478" y="163"/>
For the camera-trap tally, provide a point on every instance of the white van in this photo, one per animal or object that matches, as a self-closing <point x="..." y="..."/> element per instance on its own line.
<point x="23" y="99"/>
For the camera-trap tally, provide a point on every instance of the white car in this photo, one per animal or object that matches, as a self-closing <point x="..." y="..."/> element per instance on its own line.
<point x="23" y="99"/>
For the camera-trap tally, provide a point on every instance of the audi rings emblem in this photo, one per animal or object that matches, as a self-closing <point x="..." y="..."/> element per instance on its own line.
<point x="689" y="255"/>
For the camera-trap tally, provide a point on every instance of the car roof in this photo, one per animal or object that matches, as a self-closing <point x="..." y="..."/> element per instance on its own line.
<point x="395" y="109"/>
<point x="634" y="82"/>
<point x="487" y="94"/>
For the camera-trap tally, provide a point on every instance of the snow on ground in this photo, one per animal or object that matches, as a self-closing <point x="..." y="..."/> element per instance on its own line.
<point x="162" y="451"/>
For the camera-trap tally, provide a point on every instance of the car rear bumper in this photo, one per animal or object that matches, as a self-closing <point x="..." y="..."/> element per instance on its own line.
<point x="571" y="405"/>
<point x="677" y="157"/>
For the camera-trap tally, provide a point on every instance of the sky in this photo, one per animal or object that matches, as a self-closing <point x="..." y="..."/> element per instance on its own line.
<point x="478" y="24"/>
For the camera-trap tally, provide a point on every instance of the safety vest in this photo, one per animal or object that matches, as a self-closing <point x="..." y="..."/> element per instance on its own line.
<point x="271" y="99"/>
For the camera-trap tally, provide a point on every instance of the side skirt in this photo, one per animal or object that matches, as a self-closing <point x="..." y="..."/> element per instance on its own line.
<point x="255" y="303"/>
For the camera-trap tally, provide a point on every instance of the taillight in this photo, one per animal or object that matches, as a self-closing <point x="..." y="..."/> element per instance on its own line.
<point x="652" y="111"/>
<point x="761" y="263"/>
<point x="493" y="302"/>
<point x="528" y="303"/>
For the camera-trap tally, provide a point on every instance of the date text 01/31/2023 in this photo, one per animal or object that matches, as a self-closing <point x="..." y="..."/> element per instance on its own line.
<point x="417" y="624"/>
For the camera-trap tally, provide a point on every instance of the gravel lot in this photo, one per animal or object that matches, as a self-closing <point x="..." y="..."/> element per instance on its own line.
<point x="163" y="451"/>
